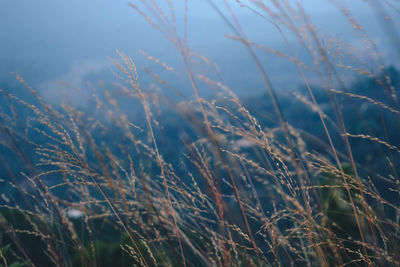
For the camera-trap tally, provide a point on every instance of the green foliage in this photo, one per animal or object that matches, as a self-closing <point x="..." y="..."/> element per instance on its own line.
<point x="105" y="254"/>
<point x="3" y="257"/>
<point x="339" y="200"/>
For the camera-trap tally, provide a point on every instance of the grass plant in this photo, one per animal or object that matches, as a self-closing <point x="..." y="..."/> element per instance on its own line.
<point x="212" y="181"/>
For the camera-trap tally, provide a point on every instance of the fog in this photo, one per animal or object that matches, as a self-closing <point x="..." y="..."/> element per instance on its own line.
<point x="50" y="41"/>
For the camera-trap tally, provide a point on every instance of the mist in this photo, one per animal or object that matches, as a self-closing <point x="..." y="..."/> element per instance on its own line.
<point x="49" y="42"/>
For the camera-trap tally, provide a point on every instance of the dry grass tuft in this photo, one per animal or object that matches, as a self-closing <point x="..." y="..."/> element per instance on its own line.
<point x="237" y="189"/>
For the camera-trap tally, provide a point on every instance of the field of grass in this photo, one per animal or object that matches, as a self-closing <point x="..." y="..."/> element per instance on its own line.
<point x="304" y="178"/>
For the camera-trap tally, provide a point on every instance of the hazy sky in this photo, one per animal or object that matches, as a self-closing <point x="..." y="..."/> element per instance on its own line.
<point x="52" y="40"/>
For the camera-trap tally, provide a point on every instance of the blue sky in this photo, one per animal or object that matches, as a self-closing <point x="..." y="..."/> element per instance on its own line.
<point x="52" y="40"/>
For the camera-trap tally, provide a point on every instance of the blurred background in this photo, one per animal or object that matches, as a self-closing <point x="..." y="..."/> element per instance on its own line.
<point x="48" y="42"/>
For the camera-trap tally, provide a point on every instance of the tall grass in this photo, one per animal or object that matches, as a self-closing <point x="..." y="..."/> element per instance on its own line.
<point x="210" y="181"/>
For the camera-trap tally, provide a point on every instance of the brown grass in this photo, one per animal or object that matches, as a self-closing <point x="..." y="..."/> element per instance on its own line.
<point x="261" y="201"/>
